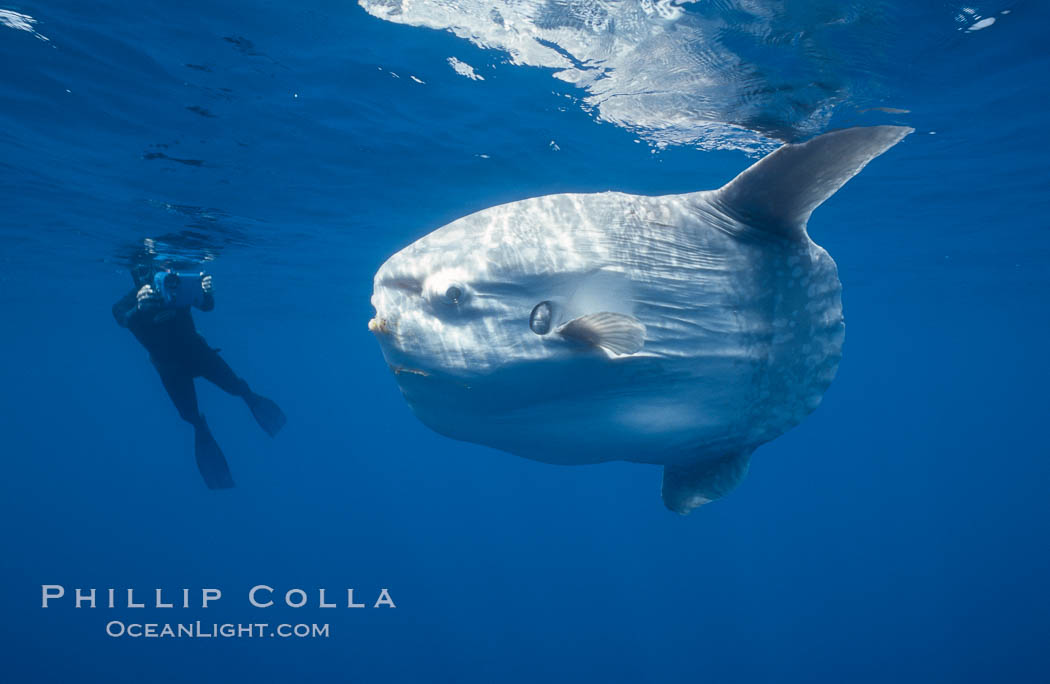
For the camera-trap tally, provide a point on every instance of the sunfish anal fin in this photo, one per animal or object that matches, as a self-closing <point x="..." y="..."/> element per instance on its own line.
<point x="692" y="485"/>
<point x="615" y="332"/>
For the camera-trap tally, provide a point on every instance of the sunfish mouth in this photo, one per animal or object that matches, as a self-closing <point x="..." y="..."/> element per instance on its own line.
<point x="378" y="325"/>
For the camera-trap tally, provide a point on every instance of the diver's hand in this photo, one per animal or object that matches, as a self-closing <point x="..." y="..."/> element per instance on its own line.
<point x="206" y="284"/>
<point x="146" y="296"/>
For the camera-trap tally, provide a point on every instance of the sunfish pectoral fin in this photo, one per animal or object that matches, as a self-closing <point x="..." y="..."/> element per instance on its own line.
<point x="780" y="191"/>
<point x="692" y="485"/>
<point x="615" y="332"/>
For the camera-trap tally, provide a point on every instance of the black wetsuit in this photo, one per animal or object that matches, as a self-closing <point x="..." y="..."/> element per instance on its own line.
<point x="177" y="350"/>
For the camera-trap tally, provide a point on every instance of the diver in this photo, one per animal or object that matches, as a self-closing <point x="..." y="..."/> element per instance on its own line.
<point x="157" y="312"/>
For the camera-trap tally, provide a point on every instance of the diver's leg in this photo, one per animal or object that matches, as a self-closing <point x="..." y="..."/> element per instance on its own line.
<point x="267" y="413"/>
<point x="215" y="370"/>
<point x="179" y="385"/>
<point x="210" y="461"/>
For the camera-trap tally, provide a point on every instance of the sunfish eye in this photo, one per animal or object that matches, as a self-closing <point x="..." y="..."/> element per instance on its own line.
<point x="446" y="293"/>
<point x="540" y="318"/>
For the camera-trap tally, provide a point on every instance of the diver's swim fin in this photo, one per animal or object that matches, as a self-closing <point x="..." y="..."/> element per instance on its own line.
<point x="210" y="461"/>
<point x="267" y="413"/>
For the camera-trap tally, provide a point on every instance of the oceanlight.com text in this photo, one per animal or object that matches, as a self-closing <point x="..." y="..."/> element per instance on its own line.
<point x="211" y="630"/>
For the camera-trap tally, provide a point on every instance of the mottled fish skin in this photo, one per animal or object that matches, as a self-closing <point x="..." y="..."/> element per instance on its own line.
<point x="743" y="325"/>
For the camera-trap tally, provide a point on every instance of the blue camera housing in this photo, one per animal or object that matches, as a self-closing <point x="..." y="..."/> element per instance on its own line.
<point x="179" y="290"/>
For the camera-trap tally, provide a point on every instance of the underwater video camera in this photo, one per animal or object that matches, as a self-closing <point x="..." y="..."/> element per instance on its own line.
<point x="179" y="290"/>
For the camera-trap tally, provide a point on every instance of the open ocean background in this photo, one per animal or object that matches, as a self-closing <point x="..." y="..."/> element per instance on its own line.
<point x="899" y="534"/>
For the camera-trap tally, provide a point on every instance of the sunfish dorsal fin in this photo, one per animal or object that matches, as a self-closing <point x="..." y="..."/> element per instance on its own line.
<point x="780" y="191"/>
<point x="690" y="485"/>
<point x="616" y="332"/>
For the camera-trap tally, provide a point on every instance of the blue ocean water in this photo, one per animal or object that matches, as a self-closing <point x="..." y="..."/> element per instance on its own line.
<point x="899" y="533"/>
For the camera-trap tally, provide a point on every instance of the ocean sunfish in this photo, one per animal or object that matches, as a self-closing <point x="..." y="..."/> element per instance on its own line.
<point x="680" y="330"/>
